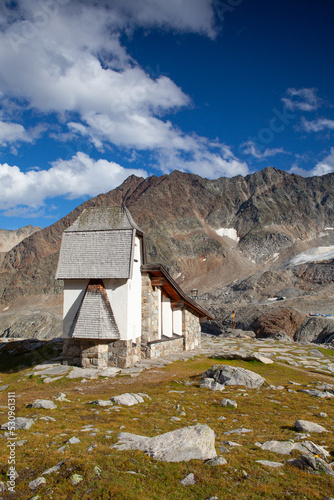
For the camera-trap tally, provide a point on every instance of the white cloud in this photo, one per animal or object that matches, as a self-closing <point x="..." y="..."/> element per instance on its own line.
<point x="326" y="166"/>
<point x="317" y="125"/>
<point x="70" y="60"/>
<point x="12" y="133"/>
<point x="65" y="57"/>
<point x="195" y="16"/>
<point x="74" y="178"/>
<point x="323" y="167"/>
<point x="207" y="160"/>
<point x="251" y="149"/>
<point x="304" y="99"/>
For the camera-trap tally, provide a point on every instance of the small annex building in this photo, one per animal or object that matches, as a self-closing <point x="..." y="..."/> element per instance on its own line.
<point x="118" y="308"/>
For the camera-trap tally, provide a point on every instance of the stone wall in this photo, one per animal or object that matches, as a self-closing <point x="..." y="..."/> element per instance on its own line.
<point x="191" y="329"/>
<point x="72" y="352"/>
<point x="163" y="347"/>
<point x="101" y="353"/>
<point x="124" y="353"/>
<point x="150" y="311"/>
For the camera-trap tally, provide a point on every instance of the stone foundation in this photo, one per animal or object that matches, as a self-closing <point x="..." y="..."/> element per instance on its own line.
<point x="101" y="353"/>
<point x="124" y="353"/>
<point x="162" y="347"/>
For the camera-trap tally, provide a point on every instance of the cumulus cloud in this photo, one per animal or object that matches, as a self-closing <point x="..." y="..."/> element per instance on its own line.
<point x="326" y="166"/>
<point x="65" y="58"/>
<point x="195" y="16"/>
<point x="249" y="148"/>
<point x="304" y="99"/>
<point x="317" y="125"/>
<point x="209" y="160"/>
<point x="323" y="167"/>
<point x="79" y="176"/>
<point x="12" y="133"/>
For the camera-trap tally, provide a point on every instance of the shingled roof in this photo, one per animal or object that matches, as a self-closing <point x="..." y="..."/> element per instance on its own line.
<point x="99" y="244"/>
<point x="94" y="318"/>
<point x="104" y="219"/>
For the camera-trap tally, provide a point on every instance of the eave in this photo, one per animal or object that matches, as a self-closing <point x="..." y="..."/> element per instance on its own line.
<point x="172" y="289"/>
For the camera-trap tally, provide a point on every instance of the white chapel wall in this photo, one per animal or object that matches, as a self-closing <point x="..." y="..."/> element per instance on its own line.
<point x="167" y="317"/>
<point x="134" y="295"/>
<point x="177" y="321"/>
<point x="117" y="291"/>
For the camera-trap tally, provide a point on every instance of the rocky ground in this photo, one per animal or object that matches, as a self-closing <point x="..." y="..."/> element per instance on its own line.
<point x="175" y="427"/>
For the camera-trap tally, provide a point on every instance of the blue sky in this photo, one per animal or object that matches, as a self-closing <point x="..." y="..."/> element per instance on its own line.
<point x="94" y="91"/>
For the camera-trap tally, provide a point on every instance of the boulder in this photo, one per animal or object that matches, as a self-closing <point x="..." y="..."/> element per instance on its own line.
<point x="128" y="399"/>
<point x="311" y="464"/>
<point x="44" y="403"/>
<point x="268" y="463"/>
<point x="194" y="442"/>
<point x="102" y="402"/>
<point x="73" y="440"/>
<point x="210" y="383"/>
<point x="228" y="402"/>
<point x="285" y="447"/>
<point x="19" y="423"/>
<point x="61" y="397"/>
<point x="315" y="329"/>
<point x="306" y="426"/>
<point x="189" y="480"/>
<point x="318" y="394"/>
<point x="281" y="319"/>
<point x="233" y="375"/>
<point x="37" y="482"/>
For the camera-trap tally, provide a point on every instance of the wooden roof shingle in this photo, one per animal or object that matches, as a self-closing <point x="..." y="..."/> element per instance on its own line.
<point x="94" y="318"/>
<point x="99" y="244"/>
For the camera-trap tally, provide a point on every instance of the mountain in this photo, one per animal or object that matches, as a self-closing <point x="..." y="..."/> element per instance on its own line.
<point x="232" y="239"/>
<point x="10" y="238"/>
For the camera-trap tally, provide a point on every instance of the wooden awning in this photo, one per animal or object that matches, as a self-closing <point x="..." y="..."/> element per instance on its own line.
<point x="160" y="277"/>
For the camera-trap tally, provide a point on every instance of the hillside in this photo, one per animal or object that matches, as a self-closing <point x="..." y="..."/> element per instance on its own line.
<point x="232" y="239"/>
<point x="10" y="238"/>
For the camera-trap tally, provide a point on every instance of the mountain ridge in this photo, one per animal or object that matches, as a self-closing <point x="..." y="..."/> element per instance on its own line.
<point x="274" y="215"/>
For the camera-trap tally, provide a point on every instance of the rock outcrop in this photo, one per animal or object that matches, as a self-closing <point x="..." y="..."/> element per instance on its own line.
<point x="281" y="320"/>
<point x="233" y="375"/>
<point x="196" y="442"/>
<point x="315" y="329"/>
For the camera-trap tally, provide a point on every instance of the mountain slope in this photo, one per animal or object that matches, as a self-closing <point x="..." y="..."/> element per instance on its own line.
<point x="274" y="216"/>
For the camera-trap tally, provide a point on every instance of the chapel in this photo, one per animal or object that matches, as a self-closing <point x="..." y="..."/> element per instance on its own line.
<point x="117" y="307"/>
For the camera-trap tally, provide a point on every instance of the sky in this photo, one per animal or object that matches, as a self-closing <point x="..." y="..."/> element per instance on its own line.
<point x="92" y="92"/>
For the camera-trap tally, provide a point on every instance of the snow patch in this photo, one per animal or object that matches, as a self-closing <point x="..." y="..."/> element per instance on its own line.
<point x="230" y="232"/>
<point x="314" y="254"/>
